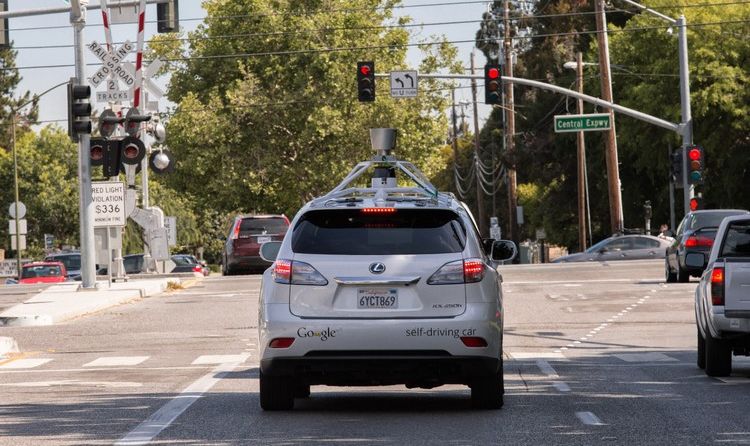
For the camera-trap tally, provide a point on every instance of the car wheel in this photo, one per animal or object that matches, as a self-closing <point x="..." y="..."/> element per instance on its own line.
<point x="276" y="393"/>
<point x="701" y="350"/>
<point x="671" y="277"/>
<point x="487" y="393"/>
<point x="682" y="275"/>
<point x="302" y="391"/>
<point x="718" y="357"/>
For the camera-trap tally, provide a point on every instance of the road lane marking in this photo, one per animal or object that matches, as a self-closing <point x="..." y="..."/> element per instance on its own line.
<point x="28" y="363"/>
<point x="536" y="282"/>
<point x="74" y="383"/>
<point x="561" y="386"/>
<point x="645" y="357"/>
<point x="589" y="419"/>
<point x="218" y="359"/>
<point x="536" y="355"/>
<point x="162" y="418"/>
<point x="116" y="361"/>
<point x="546" y="368"/>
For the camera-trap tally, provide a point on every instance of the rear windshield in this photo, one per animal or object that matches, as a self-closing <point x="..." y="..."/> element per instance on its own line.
<point x="737" y="241"/>
<point x="40" y="271"/>
<point x="71" y="261"/>
<point x="712" y="219"/>
<point x="352" y="232"/>
<point x="257" y="226"/>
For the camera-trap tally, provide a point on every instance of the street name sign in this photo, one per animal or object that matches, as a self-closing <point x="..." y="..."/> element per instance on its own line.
<point x="582" y="123"/>
<point x="404" y="84"/>
<point x="108" y="198"/>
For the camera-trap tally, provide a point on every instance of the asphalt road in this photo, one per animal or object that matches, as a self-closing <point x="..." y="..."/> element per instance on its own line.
<point x="596" y="353"/>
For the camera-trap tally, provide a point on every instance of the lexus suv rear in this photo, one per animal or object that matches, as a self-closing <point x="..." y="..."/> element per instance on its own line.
<point x="246" y="234"/>
<point x="382" y="286"/>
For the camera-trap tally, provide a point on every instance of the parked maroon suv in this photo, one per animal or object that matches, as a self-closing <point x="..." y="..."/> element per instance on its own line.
<point x="246" y="234"/>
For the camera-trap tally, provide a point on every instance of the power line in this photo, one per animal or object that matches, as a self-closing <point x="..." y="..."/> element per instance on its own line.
<point x="391" y="46"/>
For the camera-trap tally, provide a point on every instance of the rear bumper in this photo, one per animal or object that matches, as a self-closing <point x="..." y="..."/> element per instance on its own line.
<point x="412" y="368"/>
<point x="254" y="261"/>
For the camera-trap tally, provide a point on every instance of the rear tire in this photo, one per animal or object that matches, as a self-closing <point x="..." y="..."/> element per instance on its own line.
<point x="487" y="393"/>
<point x="302" y="391"/>
<point x="682" y="275"/>
<point x="701" y="350"/>
<point x="671" y="277"/>
<point x="276" y="393"/>
<point x="718" y="357"/>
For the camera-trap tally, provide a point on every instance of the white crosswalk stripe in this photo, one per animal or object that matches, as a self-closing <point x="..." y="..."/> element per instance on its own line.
<point x="116" y="361"/>
<point x="27" y="363"/>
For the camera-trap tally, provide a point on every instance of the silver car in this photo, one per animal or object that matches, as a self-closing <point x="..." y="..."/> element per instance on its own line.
<point x="382" y="286"/>
<point x="621" y="247"/>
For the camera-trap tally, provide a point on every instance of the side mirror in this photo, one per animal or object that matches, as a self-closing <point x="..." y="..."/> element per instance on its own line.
<point x="695" y="260"/>
<point x="503" y="250"/>
<point x="269" y="251"/>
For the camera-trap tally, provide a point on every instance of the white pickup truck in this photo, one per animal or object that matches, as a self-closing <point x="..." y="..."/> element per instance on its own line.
<point x="722" y="298"/>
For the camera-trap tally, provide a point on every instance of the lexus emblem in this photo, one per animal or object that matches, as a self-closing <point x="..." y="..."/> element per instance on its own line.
<point x="377" y="268"/>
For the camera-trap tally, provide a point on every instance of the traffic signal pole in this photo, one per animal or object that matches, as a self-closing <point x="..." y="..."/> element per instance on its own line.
<point x="86" y="205"/>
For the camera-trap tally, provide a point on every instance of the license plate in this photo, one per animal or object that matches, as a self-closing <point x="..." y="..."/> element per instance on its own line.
<point x="264" y="239"/>
<point x="377" y="298"/>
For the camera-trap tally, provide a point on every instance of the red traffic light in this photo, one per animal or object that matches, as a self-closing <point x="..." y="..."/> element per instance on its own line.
<point x="97" y="154"/>
<point x="365" y="70"/>
<point x="694" y="154"/>
<point x="695" y="204"/>
<point x="493" y="73"/>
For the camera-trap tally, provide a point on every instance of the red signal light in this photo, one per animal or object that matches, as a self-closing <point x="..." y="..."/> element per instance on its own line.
<point x="695" y="204"/>
<point x="378" y="210"/>
<point x="365" y="70"/>
<point x="97" y="153"/>
<point x="493" y="73"/>
<point x="694" y="154"/>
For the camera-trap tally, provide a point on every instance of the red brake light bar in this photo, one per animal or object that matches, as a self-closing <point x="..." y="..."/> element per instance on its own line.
<point x="717" y="286"/>
<point x="378" y="210"/>
<point x="694" y="241"/>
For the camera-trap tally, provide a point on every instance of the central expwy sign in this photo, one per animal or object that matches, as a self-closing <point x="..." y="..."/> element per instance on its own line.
<point x="582" y="123"/>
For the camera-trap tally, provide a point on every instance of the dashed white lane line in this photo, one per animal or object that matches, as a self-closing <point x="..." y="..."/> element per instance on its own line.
<point x="551" y="373"/>
<point x="116" y="361"/>
<point x="219" y="359"/>
<point x="588" y="418"/>
<point x="29" y="363"/>
<point x="162" y="418"/>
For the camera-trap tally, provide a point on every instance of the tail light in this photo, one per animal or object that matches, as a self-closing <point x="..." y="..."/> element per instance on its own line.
<point x="236" y="232"/>
<point x="717" y="285"/>
<point x="297" y="273"/>
<point x="460" y="271"/>
<point x="197" y="269"/>
<point x="695" y="241"/>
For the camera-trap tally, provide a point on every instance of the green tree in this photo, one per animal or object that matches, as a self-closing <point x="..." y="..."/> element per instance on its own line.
<point x="267" y="114"/>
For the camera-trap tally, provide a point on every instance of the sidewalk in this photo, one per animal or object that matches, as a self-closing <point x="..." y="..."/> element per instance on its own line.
<point x="66" y="301"/>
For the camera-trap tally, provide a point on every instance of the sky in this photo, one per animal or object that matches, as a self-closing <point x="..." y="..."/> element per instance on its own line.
<point x="55" y="35"/>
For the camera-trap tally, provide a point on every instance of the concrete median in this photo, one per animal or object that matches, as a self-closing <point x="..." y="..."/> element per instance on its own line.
<point x="67" y="301"/>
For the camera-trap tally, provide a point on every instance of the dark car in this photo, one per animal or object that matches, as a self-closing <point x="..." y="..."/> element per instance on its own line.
<point x="245" y="235"/>
<point x="695" y="234"/>
<point x="620" y="247"/>
<point x="186" y="263"/>
<point x="71" y="260"/>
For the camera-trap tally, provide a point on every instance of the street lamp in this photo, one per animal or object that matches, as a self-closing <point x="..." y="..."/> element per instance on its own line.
<point x="686" y="124"/>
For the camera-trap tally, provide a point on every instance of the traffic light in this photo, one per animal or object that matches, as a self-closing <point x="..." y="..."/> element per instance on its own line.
<point x="167" y="17"/>
<point x="696" y="203"/>
<point x="695" y="164"/>
<point x="105" y="153"/>
<point x="492" y="84"/>
<point x="133" y="121"/>
<point x="132" y="150"/>
<point x="79" y="109"/>
<point x="4" y="35"/>
<point x="366" y="81"/>
<point x="676" y="167"/>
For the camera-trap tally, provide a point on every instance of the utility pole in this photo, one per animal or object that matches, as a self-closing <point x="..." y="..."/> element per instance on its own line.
<point x="480" y="201"/>
<point x="454" y="140"/>
<point x="511" y="127"/>
<point x="610" y="140"/>
<point x="582" y="186"/>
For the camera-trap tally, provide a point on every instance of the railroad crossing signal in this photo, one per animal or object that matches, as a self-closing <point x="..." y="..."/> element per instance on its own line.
<point x="492" y="84"/>
<point x="366" y="81"/>
<point x="79" y="109"/>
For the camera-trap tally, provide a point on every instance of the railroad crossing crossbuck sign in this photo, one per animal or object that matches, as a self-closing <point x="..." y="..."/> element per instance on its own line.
<point x="404" y="84"/>
<point x="112" y="64"/>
